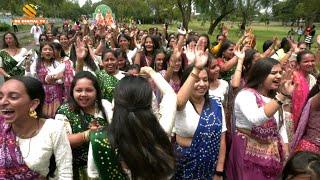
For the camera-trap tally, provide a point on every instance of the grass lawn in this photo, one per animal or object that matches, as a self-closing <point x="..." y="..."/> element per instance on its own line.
<point x="261" y="31"/>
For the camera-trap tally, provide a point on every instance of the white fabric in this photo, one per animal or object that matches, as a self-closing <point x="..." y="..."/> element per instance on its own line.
<point x="131" y="54"/>
<point x="119" y="75"/>
<point x="187" y="121"/>
<point x="165" y="115"/>
<point x="221" y="91"/>
<point x="55" y="68"/>
<point x="37" y="151"/>
<point x="20" y="56"/>
<point x="248" y="113"/>
<point x="312" y="81"/>
<point x="36" y="31"/>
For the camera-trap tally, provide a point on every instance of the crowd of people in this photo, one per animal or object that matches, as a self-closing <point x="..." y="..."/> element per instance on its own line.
<point x="118" y="102"/>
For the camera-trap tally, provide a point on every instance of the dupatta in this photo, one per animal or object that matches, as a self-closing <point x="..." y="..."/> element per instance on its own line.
<point x="10" y="65"/>
<point x="12" y="165"/>
<point x="199" y="160"/>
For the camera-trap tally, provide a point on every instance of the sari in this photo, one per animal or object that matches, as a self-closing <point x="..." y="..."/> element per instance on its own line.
<point x="257" y="154"/>
<point x="105" y="157"/>
<point x="12" y="165"/>
<point x="107" y="84"/>
<point x="9" y="64"/>
<point x="306" y="137"/>
<point x="199" y="160"/>
<point x="79" y="122"/>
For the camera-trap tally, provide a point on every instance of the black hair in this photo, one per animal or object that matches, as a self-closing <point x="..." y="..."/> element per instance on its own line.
<point x="43" y="35"/>
<point x="34" y="90"/>
<point x="39" y="60"/>
<point x="315" y="89"/>
<point x="301" y="54"/>
<point x="74" y="106"/>
<point x="5" y="45"/>
<point x="225" y="45"/>
<point x="248" y="60"/>
<point x="259" y="72"/>
<point x="136" y="133"/>
<point x="208" y="41"/>
<point x="185" y="76"/>
<point x="165" y="60"/>
<point x="58" y="47"/>
<point x="105" y="51"/>
<point x="285" y="45"/>
<point x="302" y="163"/>
<point x="266" y="45"/>
<point x="120" y="53"/>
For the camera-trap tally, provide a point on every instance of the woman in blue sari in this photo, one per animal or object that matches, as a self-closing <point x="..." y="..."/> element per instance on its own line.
<point x="200" y="126"/>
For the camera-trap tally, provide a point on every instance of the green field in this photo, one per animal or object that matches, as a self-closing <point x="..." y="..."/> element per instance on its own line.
<point x="261" y="31"/>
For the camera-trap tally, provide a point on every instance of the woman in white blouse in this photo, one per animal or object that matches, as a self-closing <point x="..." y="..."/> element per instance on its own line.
<point x="257" y="149"/>
<point x="119" y="151"/>
<point x="200" y="126"/>
<point x="50" y="72"/>
<point x="27" y="140"/>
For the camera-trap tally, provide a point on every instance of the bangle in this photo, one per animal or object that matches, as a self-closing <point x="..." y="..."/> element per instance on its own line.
<point x="86" y="135"/>
<point x="239" y="70"/>
<point x="219" y="173"/>
<point x="194" y="76"/>
<point x="278" y="101"/>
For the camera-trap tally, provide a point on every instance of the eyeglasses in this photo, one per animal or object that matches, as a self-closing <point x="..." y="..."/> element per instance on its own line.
<point x="43" y="39"/>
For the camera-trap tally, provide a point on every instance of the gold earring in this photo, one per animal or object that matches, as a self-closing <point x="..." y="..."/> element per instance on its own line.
<point x="33" y="114"/>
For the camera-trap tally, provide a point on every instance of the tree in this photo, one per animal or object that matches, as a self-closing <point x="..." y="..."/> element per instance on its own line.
<point x="216" y="10"/>
<point x="185" y="10"/>
<point x="249" y="8"/>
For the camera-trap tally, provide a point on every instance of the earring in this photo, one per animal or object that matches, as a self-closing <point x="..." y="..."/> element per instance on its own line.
<point x="33" y="114"/>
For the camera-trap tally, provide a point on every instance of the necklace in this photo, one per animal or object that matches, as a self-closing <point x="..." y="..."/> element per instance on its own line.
<point x="30" y="138"/>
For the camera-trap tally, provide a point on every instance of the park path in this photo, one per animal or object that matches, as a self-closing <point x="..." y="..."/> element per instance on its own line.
<point x="20" y="35"/>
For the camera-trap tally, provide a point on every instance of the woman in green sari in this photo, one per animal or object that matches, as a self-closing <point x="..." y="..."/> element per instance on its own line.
<point x="84" y="112"/>
<point x="10" y="56"/>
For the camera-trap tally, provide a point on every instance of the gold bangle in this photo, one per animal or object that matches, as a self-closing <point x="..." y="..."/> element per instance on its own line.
<point x="194" y="76"/>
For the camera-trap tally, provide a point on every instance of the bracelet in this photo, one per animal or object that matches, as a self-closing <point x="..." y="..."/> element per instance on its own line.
<point x="279" y="102"/>
<point x="239" y="70"/>
<point x="86" y="135"/>
<point x="194" y="76"/>
<point x="219" y="173"/>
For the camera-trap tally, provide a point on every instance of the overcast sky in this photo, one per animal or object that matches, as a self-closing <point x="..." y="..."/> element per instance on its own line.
<point x="81" y="2"/>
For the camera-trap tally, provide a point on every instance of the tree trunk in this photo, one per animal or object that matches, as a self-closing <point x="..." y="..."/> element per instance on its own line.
<point x="213" y="24"/>
<point x="243" y="23"/>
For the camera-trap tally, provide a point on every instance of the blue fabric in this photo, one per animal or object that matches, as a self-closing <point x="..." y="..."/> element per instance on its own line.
<point x="199" y="160"/>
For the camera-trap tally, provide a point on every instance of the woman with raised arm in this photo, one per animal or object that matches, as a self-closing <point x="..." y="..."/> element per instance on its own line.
<point x="136" y="143"/>
<point x="200" y="126"/>
<point x="257" y="149"/>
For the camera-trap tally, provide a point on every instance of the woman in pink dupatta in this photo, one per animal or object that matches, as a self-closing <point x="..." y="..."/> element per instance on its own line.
<point x="304" y="82"/>
<point x="307" y="136"/>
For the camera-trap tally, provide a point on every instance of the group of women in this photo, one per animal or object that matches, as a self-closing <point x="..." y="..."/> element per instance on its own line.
<point x="133" y="105"/>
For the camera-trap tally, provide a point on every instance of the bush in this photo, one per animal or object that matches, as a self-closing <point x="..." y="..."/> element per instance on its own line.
<point x="4" y="27"/>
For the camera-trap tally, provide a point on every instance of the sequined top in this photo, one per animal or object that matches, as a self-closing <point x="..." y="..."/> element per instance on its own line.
<point x="79" y="122"/>
<point x="105" y="158"/>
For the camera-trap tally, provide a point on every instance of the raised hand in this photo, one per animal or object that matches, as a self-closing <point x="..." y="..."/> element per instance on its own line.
<point x="190" y="53"/>
<point x="81" y="50"/>
<point x="201" y="58"/>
